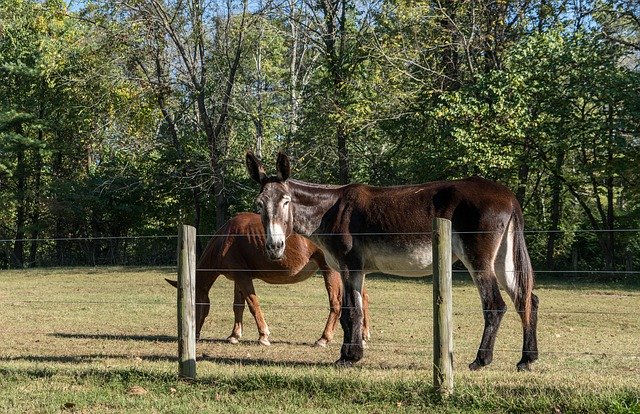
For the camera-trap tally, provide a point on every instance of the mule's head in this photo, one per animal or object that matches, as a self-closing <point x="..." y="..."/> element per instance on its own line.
<point x="273" y="202"/>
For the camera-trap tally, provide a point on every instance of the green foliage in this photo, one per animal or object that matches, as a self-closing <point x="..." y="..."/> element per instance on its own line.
<point x="102" y="131"/>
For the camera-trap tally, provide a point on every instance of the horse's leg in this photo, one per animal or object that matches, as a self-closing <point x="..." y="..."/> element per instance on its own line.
<point x="249" y="292"/>
<point x="238" y="310"/>
<point x="351" y="317"/>
<point x="333" y="284"/>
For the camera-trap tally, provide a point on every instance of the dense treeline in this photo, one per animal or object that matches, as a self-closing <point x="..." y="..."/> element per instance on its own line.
<point x="124" y="118"/>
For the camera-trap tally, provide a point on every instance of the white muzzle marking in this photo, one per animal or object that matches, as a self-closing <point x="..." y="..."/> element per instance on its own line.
<point x="275" y="241"/>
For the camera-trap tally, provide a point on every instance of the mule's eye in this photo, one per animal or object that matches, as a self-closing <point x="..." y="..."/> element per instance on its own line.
<point x="286" y="203"/>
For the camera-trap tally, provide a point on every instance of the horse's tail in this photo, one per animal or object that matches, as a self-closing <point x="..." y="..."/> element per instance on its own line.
<point x="523" y="269"/>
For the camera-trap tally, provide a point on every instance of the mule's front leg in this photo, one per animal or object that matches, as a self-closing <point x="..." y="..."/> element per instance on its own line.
<point x="351" y="318"/>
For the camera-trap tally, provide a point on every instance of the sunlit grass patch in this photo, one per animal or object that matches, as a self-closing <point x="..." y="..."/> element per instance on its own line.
<point x="104" y="340"/>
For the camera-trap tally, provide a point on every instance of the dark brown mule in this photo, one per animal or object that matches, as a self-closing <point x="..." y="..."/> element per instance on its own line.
<point x="364" y="229"/>
<point x="237" y="251"/>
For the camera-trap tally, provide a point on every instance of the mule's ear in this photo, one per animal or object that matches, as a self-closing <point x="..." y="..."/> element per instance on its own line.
<point x="173" y="283"/>
<point x="255" y="168"/>
<point x="283" y="167"/>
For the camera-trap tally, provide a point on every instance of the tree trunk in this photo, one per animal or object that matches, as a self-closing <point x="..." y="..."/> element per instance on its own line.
<point x="35" y="211"/>
<point x="610" y="220"/>
<point x="449" y="57"/>
<point x="293" y="78"/>
<point x="21" y="200"/>
<point x="556" y="211"/>
<point x="523" y="173"/>
<point x="343" y="156"/>
<point x="334" y="38"/>
<point x="197" y="207"/>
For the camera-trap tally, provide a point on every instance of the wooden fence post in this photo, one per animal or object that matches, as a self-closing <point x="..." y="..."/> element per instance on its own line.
<point x="442" y="308"/>
<point x="186" y="302"/>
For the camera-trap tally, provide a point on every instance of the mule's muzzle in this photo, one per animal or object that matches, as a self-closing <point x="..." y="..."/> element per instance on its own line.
<point x="275" y="250"/>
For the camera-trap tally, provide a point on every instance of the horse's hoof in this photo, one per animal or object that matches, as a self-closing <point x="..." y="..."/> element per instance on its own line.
<point x="320" y="343"/>
<point x="232" y="340"/>
<point x="264" y="341"/>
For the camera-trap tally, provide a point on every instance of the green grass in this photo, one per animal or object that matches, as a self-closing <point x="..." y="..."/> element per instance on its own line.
<point x="103" y="340"/>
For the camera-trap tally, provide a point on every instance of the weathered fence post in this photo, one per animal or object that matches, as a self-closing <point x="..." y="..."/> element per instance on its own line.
<point x="186" y="302"/>
<point x="442" y="307"/>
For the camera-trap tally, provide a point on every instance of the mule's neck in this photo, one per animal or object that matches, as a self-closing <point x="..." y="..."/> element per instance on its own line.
<point x="311" y="202"/>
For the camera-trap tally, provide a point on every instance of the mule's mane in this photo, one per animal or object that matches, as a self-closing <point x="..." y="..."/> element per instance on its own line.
<point x="315" y="185"/>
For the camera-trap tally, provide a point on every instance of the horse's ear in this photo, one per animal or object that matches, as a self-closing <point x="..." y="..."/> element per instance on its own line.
<point x="283" y="167"/>
<point x="255" y="168"/>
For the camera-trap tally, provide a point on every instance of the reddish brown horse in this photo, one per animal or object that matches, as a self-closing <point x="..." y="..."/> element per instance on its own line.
<point x="364" y="229"/>
<point x="237" y="251"/>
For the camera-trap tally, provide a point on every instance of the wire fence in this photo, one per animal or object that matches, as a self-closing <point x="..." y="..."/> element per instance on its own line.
<point x="578" y="252"/>
<point x="124" y="293"/>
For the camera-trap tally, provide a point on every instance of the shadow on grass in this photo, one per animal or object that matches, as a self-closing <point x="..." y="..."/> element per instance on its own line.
<point x="116" y="337"/>
<point x="90" y="358"/>
<point x="168" y="339"/>
<point x="75" y="359"/>
<point x="261" y="362"/>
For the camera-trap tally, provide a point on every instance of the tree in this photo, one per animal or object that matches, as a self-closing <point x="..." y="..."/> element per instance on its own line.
<point x="196" y="50"/>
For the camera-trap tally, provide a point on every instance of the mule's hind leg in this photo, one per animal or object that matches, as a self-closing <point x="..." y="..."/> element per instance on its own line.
<point x="238" y="310"/>
<point x="508" y="278"/>
<point x="529" y="340"/>
<point x="493" y="308"/>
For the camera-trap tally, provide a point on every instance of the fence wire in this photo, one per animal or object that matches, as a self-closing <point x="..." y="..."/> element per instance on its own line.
<point x="135" y="250"/>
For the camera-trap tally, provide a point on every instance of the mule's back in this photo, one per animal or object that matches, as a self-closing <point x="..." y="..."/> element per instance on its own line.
<point x="469" y="203"/>
<point x="389" y="228"/>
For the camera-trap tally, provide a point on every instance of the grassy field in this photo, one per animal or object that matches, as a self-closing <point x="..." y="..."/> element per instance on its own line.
<point x="104" y="340"/>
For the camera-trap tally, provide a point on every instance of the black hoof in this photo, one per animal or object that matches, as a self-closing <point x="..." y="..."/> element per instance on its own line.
<point x="480" y="362"/>
<point x="475" y="366"/>
<point x="524" y="366"/>
<point x="351" y="352"/>
<point x="344" y="363"/>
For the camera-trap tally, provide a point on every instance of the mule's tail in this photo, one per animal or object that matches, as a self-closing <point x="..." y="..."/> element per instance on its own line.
<point x="523" y="269"/>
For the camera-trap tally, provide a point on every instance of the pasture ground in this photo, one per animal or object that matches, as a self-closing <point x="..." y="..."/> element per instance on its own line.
<point x="104" y="340"/>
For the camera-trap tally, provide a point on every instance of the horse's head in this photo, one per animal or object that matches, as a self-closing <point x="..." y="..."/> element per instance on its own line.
<point x="274" y="203"/>
<point x="203" y="285"/>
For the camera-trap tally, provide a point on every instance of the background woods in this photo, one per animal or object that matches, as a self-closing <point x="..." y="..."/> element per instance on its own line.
<point x="121" y="119"/>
